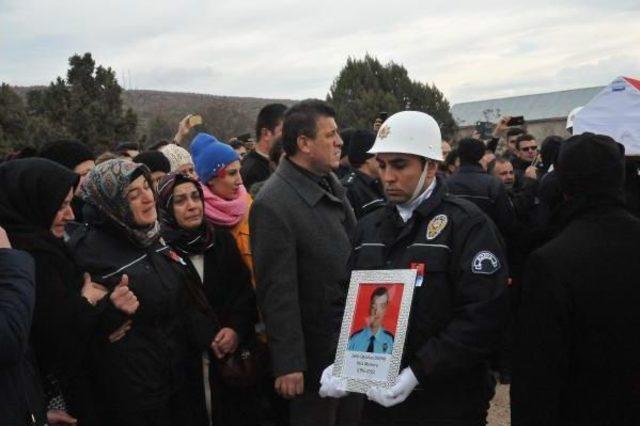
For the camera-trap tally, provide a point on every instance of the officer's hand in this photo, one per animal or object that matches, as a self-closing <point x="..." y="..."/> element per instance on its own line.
<point x="396" y="394"/>
<point x="332" y="386"/>
<point x="290" y="385"/>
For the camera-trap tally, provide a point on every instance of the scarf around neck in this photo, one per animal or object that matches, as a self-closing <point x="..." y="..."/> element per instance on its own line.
<point x="226" y="213"/>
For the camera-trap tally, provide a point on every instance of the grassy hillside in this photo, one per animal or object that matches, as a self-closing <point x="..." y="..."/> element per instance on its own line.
<point x="159" y="112"/>
<point x="223" y="116"/>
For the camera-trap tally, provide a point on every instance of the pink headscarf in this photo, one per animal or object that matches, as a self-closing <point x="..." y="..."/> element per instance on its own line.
<point x="226" y="213"/>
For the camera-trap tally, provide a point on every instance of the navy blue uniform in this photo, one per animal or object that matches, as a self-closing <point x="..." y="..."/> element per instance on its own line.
<point x="458" y="311"/>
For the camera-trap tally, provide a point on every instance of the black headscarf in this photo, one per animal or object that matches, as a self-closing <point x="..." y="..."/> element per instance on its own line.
<point x="31" y="194"/>
<point x="188" y="242"/>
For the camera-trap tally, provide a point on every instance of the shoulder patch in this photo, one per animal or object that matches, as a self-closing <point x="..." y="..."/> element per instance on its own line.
<point x="485" y="263"/>
<point x="436" y="226"/>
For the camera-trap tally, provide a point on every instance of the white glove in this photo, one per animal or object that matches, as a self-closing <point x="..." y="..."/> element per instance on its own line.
<point x="405" y="383"/>
<point x="332" y="386"/>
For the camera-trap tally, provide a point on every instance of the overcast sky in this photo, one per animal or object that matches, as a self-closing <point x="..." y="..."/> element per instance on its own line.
<point x="294" y="49"/>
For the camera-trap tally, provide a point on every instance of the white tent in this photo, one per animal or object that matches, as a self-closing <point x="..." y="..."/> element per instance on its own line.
<point x="615" y="112"/>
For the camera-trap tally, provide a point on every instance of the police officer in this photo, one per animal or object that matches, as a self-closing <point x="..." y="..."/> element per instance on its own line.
<point x="374" y="338"/>
<point x="362" y="183"/>
<point x="459" y="306"/>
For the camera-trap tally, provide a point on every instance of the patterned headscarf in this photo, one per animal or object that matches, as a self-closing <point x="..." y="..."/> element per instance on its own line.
<point x="189" y="242"/>
<point x="105" y="188"/>
<point x="176" y="155"/>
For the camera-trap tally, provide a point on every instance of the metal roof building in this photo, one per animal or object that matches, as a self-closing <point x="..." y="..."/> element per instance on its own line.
<point x="535" y="108"/>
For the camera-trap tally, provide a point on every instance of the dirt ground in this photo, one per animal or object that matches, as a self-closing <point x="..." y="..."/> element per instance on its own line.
<point x="500" y="413"/>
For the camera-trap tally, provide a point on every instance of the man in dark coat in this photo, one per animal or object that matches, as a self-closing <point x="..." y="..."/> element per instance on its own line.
<point x="21" y="398"/>
<point x="255" y="165"/>
<point x="362" y="182"/>
<point x="577" y="359"/>
<point x="474" y="184"/>
<point x="301" y="224"/>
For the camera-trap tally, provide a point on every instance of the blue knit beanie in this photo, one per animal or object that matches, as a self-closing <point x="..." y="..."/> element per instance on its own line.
<point x="200" y="141"/>
<point x="211" y="158"/>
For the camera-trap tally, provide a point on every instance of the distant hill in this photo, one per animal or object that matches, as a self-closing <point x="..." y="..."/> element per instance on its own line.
<point x="223" y="116"/>
<point x="159" y="112"/>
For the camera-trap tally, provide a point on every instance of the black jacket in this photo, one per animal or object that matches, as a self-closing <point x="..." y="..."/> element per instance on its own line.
<point x="63" y="323"/>
<point x="485" y="191"/>
<point x="227" y="286"/>
<point x="364" y="193"/>
<point x="255" y="168"/>
<point x="147" y="367"/>
<point x="577" y="359"/>
<point x="459" y="311"/>
<point x="21" y="399"/>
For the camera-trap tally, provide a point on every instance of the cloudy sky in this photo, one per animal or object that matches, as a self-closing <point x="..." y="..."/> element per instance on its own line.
<point x="295" y="48"/>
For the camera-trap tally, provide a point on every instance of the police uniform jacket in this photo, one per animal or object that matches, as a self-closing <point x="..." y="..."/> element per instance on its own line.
<point x="487" y="192"/>
<point x="459" y="310"/>
<point x="364" y="192"/>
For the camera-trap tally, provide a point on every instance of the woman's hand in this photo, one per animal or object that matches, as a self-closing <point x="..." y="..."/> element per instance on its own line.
<point x="91" y="291"/>
<point x="120" y="332"/>
<point x="225" y="342"/>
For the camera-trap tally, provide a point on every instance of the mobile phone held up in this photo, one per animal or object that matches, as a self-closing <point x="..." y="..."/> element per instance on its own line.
<point x="195" y="120"/>
<point x="516" y="121"/>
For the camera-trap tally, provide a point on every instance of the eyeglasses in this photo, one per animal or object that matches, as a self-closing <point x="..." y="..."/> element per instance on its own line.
<point x="529" y="148"/>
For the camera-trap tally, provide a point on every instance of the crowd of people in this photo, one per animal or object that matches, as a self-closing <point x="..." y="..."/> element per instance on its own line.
<point x="202" y="282"/>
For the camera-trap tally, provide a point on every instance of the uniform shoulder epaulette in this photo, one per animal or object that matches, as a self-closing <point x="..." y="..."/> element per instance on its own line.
<point x="390" y="334"/>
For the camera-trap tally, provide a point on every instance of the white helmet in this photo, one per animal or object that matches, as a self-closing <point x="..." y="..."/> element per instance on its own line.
<point x="409" y="132"/>
<point x="571" y="118"/>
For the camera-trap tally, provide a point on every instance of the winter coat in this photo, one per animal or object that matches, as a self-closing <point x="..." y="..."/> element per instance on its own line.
<point x="21" y="398"/>
<point x="146" y="368"/>
<point x="300" y="235"/>
<point x="577" y="357"/>
<point x="459" y="308"/>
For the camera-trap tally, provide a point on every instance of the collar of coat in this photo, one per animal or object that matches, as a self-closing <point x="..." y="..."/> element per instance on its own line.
<point x="309" y="190"/>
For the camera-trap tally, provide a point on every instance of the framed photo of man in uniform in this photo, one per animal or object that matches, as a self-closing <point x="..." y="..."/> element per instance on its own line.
<point x="374" y="328"/>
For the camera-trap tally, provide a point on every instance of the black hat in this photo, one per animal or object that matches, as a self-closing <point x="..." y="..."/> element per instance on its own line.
<point x="591" y="165"/>
<point x="471" y="150"/>
<point x="69" y="153"/>
<point x="345" y="135"/>
<point x="360" y="143"/>
<point x="155" y="160"/>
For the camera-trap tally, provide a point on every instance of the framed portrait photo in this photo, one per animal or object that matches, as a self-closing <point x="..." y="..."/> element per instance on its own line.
<point x="374" y="328"/>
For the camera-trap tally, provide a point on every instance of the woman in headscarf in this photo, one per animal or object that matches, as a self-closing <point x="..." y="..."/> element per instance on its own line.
<point x="142" y="377"/>
<point x="213" y="257"/>
<point x="179" y="158"/>
<point x="35" y="206"/>
<point x="226" y="201"/>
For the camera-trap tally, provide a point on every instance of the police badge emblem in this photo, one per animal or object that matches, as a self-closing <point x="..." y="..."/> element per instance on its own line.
<point x="384" y="132"/>
<point x="436" y="226"/>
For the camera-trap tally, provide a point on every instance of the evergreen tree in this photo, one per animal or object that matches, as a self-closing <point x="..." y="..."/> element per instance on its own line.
<point x="13" y="119"/>
<point x="365" y="87"/>
<point x="87" y="106"/>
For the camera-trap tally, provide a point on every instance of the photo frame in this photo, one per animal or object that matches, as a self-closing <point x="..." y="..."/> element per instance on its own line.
<point x="374" y="328"/>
